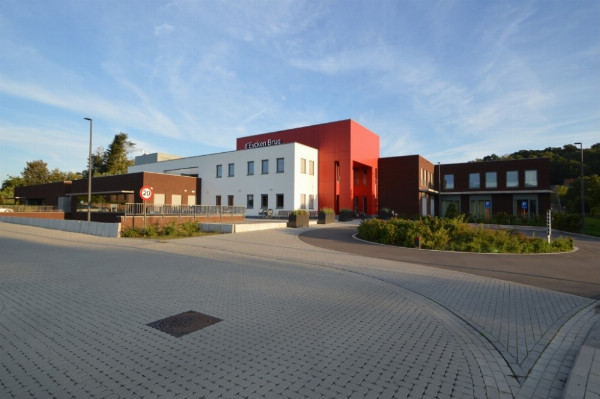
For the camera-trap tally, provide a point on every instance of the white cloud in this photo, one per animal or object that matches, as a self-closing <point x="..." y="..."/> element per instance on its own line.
<point x="163" y="30"/>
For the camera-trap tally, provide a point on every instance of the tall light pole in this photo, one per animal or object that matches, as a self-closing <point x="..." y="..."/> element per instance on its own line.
<point x="582" y="191"/>
<point x="89" y="202"/>
<point x="439" y="190"/>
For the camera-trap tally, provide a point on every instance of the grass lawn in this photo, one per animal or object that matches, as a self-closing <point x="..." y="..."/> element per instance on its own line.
<point x="592" y="226"/>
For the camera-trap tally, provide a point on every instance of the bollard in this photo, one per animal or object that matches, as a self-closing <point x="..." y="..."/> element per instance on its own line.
<point x="418" y="242"/>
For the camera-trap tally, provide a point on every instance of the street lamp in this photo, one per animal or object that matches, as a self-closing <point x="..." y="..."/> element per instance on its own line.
<point x="582" y="191"/>
<point x="89" y="211"/>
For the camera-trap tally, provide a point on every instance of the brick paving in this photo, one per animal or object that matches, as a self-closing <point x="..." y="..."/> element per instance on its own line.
<point x="298" y="322"/>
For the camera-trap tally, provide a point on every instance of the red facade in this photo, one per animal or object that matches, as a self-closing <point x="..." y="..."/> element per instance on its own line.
<point x="348" y="154"/>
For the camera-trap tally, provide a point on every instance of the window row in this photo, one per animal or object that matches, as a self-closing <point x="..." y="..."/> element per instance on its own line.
<point x="264" y="168"/>
<point x="311" y="167"/>
<point x="491" y="180"/>
<point x="307" y="201"/>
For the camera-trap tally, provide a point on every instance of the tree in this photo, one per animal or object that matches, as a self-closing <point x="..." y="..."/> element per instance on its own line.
<point x="8" y="188"/>
<point x="36" y="172"/>
<point x="115" y="158"/>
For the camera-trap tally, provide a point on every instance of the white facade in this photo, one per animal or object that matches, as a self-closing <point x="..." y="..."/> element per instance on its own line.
<point x="289" y="181"/>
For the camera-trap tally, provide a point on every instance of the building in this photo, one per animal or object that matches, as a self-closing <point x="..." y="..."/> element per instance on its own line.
<point x="484" y="189"/>
<point x="407" y="185"/>
<point x="328" y="165"/>
<point x="281" y="178"/>
<point x="334" y="165"/>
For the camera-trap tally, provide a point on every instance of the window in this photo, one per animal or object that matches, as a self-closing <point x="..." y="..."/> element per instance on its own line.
<point x="265" y="167"/>
<point x="512" y="178"/>
<point x="302" y="201"/>
<point x="250" y="168"/>
<point x="219" y="171"/>
<point x="264" y="201"/>
<point x="448" y="182"/>
<point x="280" y="165"/>
<point x="302" y="165"/>
<point x="365" y="174"/>
<point x="337" y="171"/>
<point x="279" y="201"/>
<point x="250" y="201"/>
<point x="356" y="177"/>
<point x="230" y="200"/>
<point x="311" y="202"/>
<point x="531" y="178"/>
<point x="231" y="170"/>
<point x="311" y="168"/>
<point x="473" y="180"/>
<point x="491" y="180"/>
<point x="218" y="200"/>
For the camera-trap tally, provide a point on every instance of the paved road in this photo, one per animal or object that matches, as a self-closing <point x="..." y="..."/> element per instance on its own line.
<point x="575" y="273"/>
<point x="298" y="321"/>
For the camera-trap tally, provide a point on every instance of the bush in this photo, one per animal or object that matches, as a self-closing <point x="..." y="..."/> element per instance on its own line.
<point x="171" y="230"/>
<point x="566" y="222"/>
<point x="300" y="212"/>
<point x="455" y="235"/>
<point x="327" y="211"/>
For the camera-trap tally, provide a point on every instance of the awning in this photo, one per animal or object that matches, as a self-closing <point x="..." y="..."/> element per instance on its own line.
<point x="102" y="193"/>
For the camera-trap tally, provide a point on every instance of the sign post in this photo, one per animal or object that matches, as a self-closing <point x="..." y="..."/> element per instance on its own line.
<point x="146" y="193"/>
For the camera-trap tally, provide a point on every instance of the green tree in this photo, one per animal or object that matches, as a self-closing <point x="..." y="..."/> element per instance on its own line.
<point x="8" y="189"/>
<point x="115" y="157"/>
<point x="36" y="172"/>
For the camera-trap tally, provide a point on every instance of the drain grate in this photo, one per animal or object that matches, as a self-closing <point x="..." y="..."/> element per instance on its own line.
<point x="184" y="323"/>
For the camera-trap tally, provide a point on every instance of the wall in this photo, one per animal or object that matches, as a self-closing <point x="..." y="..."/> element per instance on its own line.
<point x="91" y="228"/>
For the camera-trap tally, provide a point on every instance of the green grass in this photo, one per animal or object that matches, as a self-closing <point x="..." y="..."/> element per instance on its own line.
<point x="592" y="226"/>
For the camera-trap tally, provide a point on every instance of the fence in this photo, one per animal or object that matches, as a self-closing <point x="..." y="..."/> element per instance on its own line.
<point x="184" y="210"/>
<point x="29" y="208"/>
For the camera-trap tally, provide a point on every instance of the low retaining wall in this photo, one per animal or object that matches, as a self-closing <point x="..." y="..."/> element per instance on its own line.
<point x="75" y="226"/>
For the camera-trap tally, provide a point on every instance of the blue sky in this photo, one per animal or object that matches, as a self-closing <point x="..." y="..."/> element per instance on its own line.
<point x="450" y="80"/>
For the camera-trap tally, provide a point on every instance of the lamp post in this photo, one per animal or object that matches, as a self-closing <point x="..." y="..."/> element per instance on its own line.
<point x="89" y="202"/>
<point x="582" y="191"/>
<point x="439" y="190"/>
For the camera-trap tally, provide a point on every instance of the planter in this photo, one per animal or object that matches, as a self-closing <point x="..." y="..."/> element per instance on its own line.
<point x="326" y="218"/>
<point x="346" y="215"/>
<point x="297" y="220"/>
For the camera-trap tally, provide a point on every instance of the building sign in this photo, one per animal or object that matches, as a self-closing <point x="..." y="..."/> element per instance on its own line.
<point x="263" y="143"/>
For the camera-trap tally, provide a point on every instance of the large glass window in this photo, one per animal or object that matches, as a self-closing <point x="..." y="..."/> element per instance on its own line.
<point x="219" y="170"/>
<point x="265" y="166"/>
<point x="448" y="182"/>
<point x="230" y="200"/>
<point x="280" y="165"/>
<point x="250" y="168"/>
<point x="279" y="201"/>
<point x="231" y="170"/>
<point x="491" y="180"/>
<point x="512" y="178"/>
<point x="264" y="201"/>
<point x="531" y="178"/>
<point x="311" y="168"/>
<point x="302" y="165"/>
<point x="250" y="201"/>
<point x="311" y="202"/>
<point x="474" y="180"/>
<point x="218" y="200"/>
<point x="302" y="201"/>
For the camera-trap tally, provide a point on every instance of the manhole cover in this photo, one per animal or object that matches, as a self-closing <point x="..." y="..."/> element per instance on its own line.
<point x="184" y="323"/>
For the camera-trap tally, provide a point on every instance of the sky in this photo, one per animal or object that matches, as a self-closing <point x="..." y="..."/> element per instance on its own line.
<point x="450" y="80"/>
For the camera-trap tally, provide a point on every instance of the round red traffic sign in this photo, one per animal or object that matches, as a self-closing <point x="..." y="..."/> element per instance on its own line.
<point x="146" y="193"/>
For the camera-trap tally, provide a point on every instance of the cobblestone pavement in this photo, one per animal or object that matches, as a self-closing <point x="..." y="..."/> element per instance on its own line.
<point x="297" y="321"/>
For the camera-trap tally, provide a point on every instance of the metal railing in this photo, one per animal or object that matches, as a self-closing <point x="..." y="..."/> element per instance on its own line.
<point x="29" y="208"/>
<point x="187" y="210"/>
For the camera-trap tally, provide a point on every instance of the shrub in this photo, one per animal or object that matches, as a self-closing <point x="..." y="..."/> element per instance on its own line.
<point x="327" y="211"/>
<point x="300" y="212"/>
<point x="455" y="234"/>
